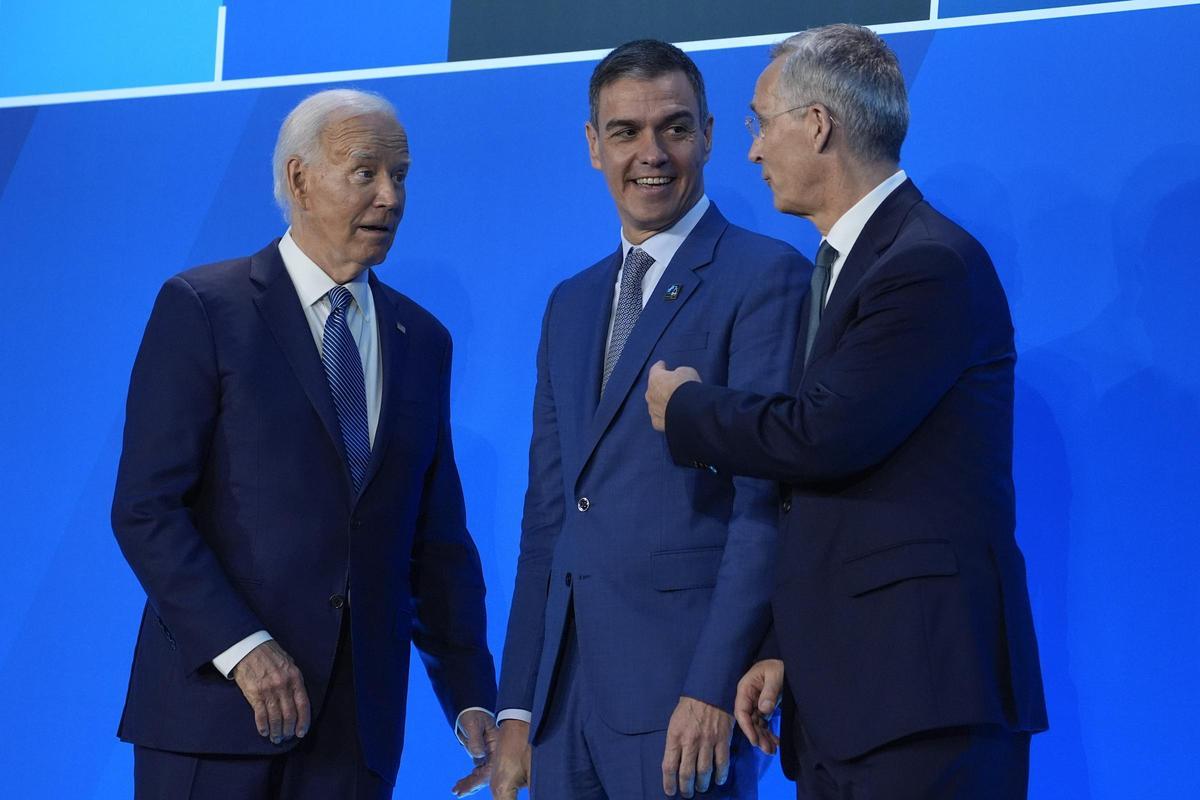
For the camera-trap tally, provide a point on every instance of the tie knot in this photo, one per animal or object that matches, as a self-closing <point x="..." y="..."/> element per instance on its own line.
<point x="339" y="298"/>
<point x="826" y="255"/>
<point x="637" y="262"/>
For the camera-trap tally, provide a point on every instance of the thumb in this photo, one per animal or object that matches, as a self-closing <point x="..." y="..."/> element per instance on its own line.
<point x="769" y="697"/>
<point x="658" y="366"/>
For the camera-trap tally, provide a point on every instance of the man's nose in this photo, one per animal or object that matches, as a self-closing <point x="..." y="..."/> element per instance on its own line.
<point x="651" y="151"/>
<point x="755" y="152"/>
<point x="389" y="193"/>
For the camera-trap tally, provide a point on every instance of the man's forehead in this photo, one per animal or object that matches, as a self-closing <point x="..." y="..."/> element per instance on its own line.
<point x="670" y="92"/>
<point x="375" y="135"/>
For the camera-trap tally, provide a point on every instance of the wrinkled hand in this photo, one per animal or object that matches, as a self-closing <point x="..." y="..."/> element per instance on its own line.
<point x="662" y="384"/>
<point x="480" y="737"/>
<point x="510" y="765"/>
<point x="273" y="686"/>
<point x="758" y="693"/>
<point x="697" y="744"/>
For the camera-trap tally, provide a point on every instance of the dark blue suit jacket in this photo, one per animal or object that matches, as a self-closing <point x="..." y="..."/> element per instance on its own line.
<point x="900" y="603"/>
<point x="667" y="566"/>
<point x="235" y="508"/>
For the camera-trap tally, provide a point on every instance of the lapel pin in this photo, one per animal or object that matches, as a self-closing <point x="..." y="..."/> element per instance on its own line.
<point x="673" y="291"/>
<point x="401" y="328"/>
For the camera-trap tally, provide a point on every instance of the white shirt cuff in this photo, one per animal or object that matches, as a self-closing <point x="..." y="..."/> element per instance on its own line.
<point x="519" y="714"/>
<point x="459" y="732"/>
<point x="230" y="658"/>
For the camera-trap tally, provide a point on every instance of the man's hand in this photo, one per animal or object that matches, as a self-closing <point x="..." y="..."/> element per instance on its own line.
<point x="662" y="384"/>
<point x="273" y="686"/>
<point x="758" y="693"/>
<point x="697" y="744"/>
<point x="510" y="766"/>
<point x="480" y="737"/>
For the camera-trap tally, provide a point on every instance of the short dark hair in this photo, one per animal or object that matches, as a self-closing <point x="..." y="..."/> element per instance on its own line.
<point x="644" y="59"/>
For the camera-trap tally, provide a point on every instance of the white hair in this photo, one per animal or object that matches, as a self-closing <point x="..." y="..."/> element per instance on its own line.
<point x="300" y="134"/>
<point x="856" y="76"/>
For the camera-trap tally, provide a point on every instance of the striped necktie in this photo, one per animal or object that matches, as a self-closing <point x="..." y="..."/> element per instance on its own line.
<point x="343" y="370"/>
<point x="629" y="307"/>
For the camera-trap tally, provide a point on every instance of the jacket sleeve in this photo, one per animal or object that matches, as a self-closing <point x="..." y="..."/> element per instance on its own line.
<point x="908" y="343"/>
<point x="759" y="359"/>
<point x="171" y="412"/>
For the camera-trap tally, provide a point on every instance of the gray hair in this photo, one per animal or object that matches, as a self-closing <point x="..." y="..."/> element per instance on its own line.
<point x="300" y="134"/>
<point x="853" y="73"/>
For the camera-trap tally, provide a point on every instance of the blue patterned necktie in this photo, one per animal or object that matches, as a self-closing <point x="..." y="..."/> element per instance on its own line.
<point x="826" y="255"/>
<point x="343" y="369"/>
<point x="629" y="306"/>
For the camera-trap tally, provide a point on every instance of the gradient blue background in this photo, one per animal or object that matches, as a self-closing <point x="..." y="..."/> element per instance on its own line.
<point x="1069" y="147"/>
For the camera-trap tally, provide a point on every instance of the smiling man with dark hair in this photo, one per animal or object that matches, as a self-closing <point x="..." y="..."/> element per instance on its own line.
<point x="639" y="596"/>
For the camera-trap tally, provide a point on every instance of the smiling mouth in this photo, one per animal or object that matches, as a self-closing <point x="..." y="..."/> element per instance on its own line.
<point x="376" y="228"/>
<point x="660" y="180"/>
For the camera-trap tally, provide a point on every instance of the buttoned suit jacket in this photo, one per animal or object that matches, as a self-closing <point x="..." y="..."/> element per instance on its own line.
<point x="900" y="604"/>
<point x="235" y="508"/>
<point x="666" y="568"/>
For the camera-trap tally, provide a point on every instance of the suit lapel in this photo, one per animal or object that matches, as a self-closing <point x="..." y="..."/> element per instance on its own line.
<point x="599" y="314"/>
<point x="683" y="273"/>
<point x="393" y="352"/>
<point x="280" y="308"/>
<point x="876" y="237"/>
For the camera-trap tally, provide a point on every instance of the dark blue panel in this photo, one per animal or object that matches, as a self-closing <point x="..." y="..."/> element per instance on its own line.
<point x="266" y="38"/>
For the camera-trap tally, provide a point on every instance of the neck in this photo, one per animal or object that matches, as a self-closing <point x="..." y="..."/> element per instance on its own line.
<point x="853" y="181"/>
<point x="339" y="272"/>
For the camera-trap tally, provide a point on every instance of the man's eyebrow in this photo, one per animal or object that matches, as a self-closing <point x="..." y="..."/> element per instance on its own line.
<point x="362" y="155"/>
<point x="679" y="116"/>
<point x="621" y="123"/>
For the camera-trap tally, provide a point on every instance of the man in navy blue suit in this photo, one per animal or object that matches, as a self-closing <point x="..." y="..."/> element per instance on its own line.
<point x="639" y="597"/>
<point x="288" y="498"/>
<point x="901" y="618"/>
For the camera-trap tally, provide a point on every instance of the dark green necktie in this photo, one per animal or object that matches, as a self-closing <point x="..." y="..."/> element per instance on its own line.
<point x="826" y="255"/>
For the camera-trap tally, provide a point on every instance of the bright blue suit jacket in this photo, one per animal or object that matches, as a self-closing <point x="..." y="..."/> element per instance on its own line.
<point x="900" y="604"/>
<point x="668" y="568"/>
<point x="235" y="508"/>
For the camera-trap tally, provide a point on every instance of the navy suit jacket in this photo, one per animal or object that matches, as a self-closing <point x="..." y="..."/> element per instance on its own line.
<point x="235" y="508"/>
<point x="900" y="603"/>
<point x="665" y="566"/>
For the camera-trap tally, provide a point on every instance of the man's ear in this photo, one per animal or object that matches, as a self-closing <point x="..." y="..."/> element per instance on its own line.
<point x="821" y="126"/>
<point x="593" y="140"/>
<point x="708" y="128"/>
<point x="297" y="180"/>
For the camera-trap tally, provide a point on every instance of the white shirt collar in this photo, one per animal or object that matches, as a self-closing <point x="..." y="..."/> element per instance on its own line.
<point x="663" y="245"/>
<point x="846" y="230"/>
<point x="313" y="283"/>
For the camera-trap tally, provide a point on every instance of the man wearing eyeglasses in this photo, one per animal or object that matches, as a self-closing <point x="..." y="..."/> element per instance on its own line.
<point x="640" y="593"/>
<point x="902" y="639"/>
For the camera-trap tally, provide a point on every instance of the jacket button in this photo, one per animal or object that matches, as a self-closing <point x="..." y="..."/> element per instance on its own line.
<point x="567" y="579"/>
<point x="787" y="505"/>
<point x="584" y="504"/>
<point x="337" y="601"/>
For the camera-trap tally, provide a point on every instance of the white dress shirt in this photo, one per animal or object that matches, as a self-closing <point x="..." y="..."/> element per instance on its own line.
<point x="846" y="230"/>
<point x="662" y="247"/>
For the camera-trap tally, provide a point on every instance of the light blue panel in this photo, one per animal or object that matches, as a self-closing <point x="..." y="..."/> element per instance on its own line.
<point x="270" y="38"/>
<point x="78" y="46"/>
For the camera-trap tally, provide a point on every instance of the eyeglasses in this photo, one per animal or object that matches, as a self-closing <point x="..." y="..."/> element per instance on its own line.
<point x="757" y="124"/>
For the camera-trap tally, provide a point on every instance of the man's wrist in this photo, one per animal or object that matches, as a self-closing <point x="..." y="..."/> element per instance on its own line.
<point x="229" y="659"/>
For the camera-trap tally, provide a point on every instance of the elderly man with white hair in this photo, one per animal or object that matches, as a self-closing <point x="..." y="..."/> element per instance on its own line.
<point x="288" y="498"/>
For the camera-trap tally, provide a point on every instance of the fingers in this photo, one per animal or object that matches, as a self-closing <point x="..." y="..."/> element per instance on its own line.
<point x="745" y="708"/>
<point x="275" y="718"/>
<point x="260" y="716"/>
<point x="473" y="782"/>
<point x="670" y="765"/>
<point x="704" y="768"/>
<point x="303" y="709"/>
<point x="721" y="759"/>
<point x="687" y="770"/>
<point x="273" y="686"/>
<point x="473" y="730"/>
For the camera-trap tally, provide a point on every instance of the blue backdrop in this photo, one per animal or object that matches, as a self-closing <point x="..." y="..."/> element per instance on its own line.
<point x="1068" y="146"/>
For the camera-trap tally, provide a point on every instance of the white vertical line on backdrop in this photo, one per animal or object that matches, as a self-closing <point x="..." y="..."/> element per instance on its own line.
<point x="933" y="9"/>
<point x="219" y="65"/>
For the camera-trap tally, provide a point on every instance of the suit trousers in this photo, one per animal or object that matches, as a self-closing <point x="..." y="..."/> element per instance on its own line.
<point x="579" y="757"/>
<point x="977" y="762"/>
<point x="327" y="764"/>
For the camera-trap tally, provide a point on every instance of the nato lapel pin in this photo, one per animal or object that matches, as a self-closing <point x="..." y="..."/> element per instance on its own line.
<point x="401" y="328"/>
<point x="673" y="291"/>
